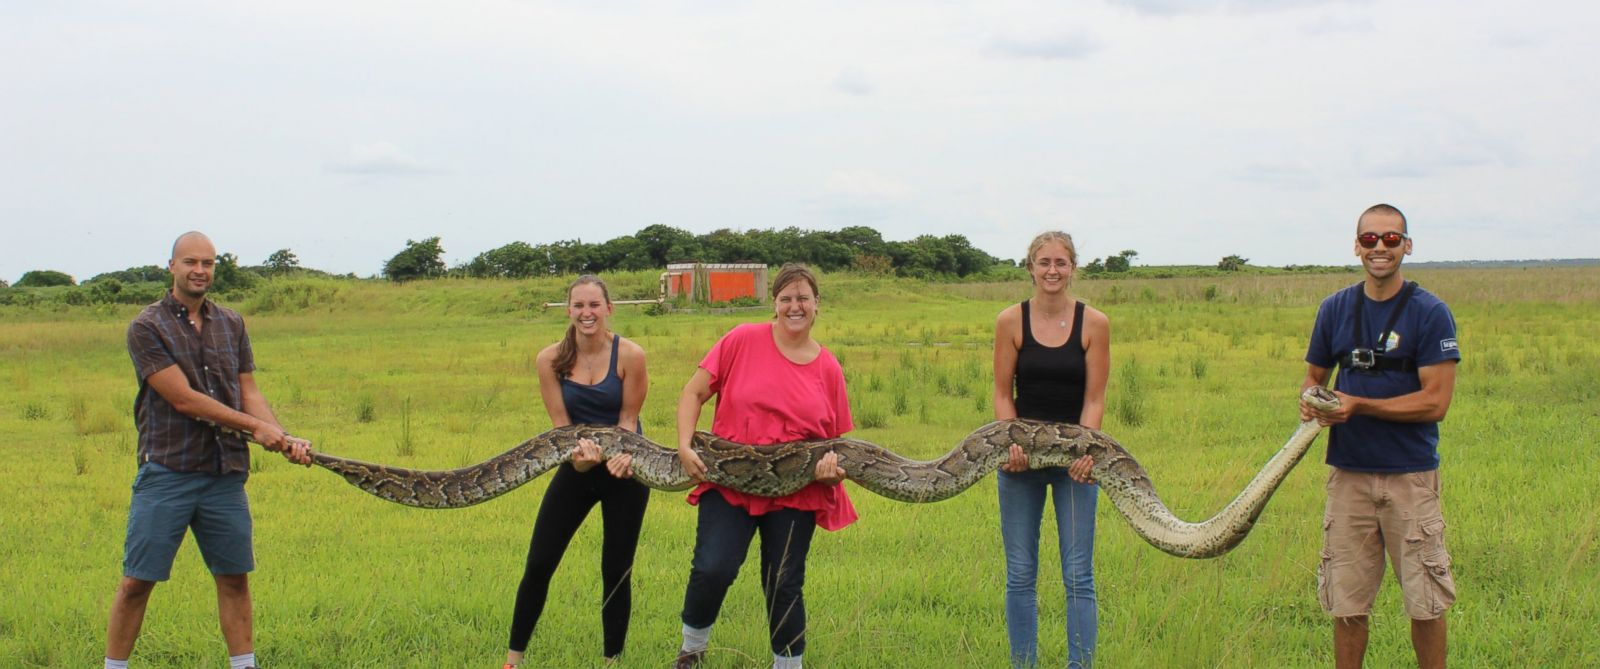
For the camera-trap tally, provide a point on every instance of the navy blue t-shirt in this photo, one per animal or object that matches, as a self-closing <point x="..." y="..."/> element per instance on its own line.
<point x="1426" y="333"/>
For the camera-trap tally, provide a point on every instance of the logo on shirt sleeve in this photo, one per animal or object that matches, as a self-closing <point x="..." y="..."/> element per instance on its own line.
<point x="1448" y="345"/>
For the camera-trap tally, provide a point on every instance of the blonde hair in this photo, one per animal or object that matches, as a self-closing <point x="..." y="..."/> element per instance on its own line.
<point x="1053" y="236"/>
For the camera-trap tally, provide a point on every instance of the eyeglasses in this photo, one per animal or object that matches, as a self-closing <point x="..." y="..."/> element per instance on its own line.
<point x="1369" y="240"/>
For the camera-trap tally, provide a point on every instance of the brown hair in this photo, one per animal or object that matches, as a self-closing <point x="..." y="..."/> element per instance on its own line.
<point x="567" y="352"/>
<point x="1052" y="236"/>
<point x="1386" y="210"/>
<point x="791" y="273"/>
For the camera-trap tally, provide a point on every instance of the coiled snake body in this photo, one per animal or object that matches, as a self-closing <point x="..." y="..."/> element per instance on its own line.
<point x="780" y="469"/>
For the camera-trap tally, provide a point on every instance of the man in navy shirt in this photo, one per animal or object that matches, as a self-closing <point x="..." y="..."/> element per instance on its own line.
<point x="1395" y="346"/>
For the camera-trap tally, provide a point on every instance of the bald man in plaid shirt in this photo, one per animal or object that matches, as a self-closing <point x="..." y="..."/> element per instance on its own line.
<point x="195" y="366"/>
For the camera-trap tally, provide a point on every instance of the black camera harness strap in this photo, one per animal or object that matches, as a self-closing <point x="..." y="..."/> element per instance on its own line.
<point x="1375" y="359"/>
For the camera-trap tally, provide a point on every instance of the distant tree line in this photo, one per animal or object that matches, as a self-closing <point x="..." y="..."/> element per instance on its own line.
<point x="147" y="283"/>
<point x="857" y="247"/>
<point x="1116" y="264"/>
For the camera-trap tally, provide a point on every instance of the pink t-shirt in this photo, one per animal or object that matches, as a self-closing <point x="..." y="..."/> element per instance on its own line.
<point x="763" y="398"/>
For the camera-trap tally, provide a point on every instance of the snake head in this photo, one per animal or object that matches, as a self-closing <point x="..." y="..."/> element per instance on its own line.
<point x="1320" y="398"/>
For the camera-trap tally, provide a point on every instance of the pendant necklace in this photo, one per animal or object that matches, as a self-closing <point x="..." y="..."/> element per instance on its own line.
<point x="1059" y="321"/>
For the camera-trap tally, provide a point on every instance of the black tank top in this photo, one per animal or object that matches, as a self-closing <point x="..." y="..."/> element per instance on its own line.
<point x="599" y="404"/>
<point x="1050" y="381"/>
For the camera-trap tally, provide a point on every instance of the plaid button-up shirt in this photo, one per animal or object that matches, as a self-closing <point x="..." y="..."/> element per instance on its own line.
<point x="211" y="361"/>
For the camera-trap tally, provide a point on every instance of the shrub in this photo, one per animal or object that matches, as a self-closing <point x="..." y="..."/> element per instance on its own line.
<point x="230" y="276"/>
<point x="105" y="291"/>
<point x="282" y="261"/>
<point x="419" y="260"/>
<point x="45" y="278"/>
<point x="75" y="296"/>
<point x="18" y="298"/>
<point x="292" y="295"/>
<point x="141" y="293"/>
<point x="1130" y="404"/>
<point x="868" y="263"/>
<point x="139" y="274"/>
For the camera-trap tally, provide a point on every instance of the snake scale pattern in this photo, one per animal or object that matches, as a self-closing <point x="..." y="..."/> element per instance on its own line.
<point x="780" y="469"/>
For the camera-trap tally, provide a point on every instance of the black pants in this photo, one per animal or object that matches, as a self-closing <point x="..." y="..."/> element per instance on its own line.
<point x="720" y="543"/>
<point x="566" y="503"/>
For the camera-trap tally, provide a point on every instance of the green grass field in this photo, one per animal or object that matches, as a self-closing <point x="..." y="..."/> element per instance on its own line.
<point x="440" y="375"/>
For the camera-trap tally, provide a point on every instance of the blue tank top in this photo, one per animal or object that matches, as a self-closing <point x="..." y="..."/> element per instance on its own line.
<point x="1050" y="381"/>
<point x="601" y="403"/>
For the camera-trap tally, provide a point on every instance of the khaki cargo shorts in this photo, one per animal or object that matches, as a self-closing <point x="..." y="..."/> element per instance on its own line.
<point x="1370" y="514"/>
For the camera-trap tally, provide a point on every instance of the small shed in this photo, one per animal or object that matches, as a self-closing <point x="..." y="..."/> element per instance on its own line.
<point x="706" y="283"/>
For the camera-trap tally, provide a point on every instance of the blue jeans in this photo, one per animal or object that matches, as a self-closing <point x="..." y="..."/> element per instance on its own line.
<point x="1022" y="497"/>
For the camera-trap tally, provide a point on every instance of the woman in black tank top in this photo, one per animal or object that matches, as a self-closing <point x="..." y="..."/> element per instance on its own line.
<point x="1052" y="357"/>
<point x="591" y="376"/>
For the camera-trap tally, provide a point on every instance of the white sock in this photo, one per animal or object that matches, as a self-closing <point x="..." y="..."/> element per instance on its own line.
<point x="242" y="661"/>
<point x="782" y="662"/>
<point x="116" y="664"/>
<point x="696" y="638"/>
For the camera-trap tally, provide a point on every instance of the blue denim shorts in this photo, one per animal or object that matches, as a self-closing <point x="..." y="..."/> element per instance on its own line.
<point x="167" y="503"/>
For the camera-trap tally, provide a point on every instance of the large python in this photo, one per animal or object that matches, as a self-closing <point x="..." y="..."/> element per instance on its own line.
<point x="784" y="468"/>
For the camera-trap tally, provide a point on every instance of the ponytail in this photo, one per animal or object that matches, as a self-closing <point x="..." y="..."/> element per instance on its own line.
<point x="567" y="352"/>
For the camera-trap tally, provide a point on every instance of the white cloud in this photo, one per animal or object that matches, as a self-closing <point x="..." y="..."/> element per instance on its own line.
<point x="852" y="81"/>
<point x="1280" y="175"/>
<point x="381" y="159"/>
<point x="864" y="184"/>
<point x="1426" y="145"/>
<point x="1061" y="46"/>
<point x="858" y="197"/>
<point x="1338" y="23"/>
<point x="1174" y="7"/>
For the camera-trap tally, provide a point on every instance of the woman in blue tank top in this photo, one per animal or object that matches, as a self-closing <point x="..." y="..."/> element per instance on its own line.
<point x="590" y="376"/>
<point x="1052" y="355"/>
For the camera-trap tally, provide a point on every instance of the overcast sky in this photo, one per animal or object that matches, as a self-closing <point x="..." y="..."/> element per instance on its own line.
<point x="1183" y="130"/>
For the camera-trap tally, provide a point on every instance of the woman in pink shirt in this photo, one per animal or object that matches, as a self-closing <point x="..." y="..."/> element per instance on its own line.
<point x="774" y="384"/>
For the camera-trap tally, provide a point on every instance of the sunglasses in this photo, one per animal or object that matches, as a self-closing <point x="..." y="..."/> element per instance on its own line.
<point x="1369" y="240"/>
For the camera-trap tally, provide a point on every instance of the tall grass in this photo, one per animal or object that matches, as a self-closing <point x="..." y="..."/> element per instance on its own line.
<point x="1130" y="394"/>
<point x="345" y="579"/>
<point x="365" y="411"/>
<point x="406" y="446"/>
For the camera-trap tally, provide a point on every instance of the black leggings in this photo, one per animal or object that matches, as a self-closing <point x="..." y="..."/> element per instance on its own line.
<point x="566" y="503"/>
<point x="721" y="540"/>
